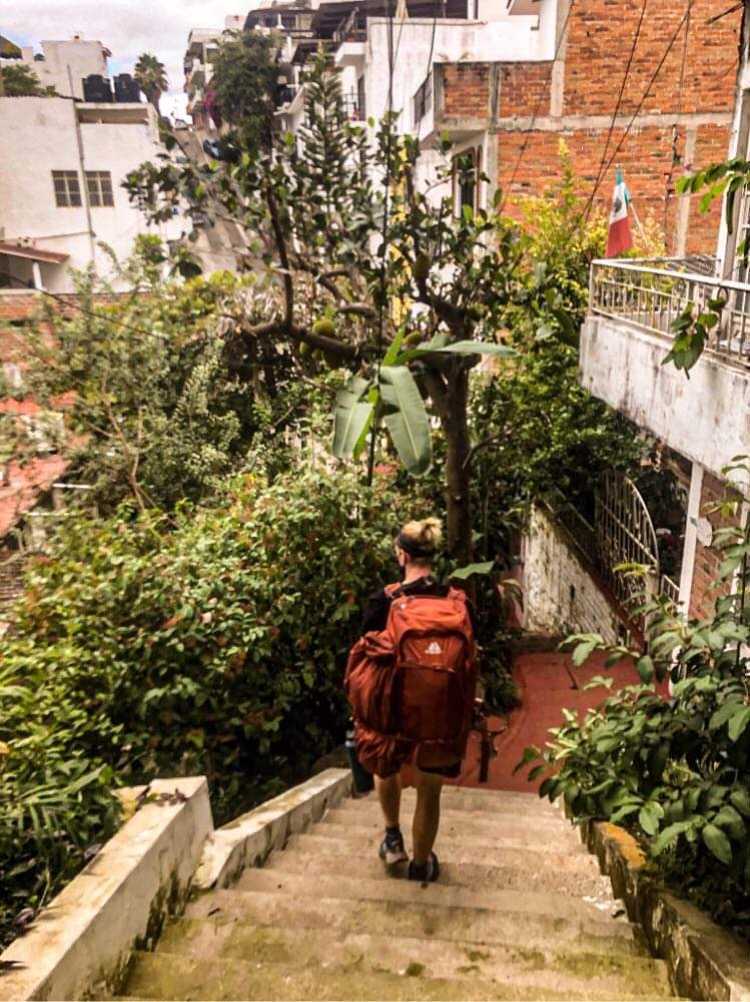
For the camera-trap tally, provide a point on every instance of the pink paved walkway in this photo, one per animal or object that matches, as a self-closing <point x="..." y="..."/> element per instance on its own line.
<point x="545" y="688"/>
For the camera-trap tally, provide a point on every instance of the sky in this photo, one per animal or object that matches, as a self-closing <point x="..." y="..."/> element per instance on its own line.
<point x="126" y="27"/>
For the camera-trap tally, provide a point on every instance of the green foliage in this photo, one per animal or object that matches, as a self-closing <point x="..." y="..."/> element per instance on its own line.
<point x="162" y="397"/>
<point x="151" y="76"/>
<point x="692" y="329"/>
<point x="216" y="647"/>
<point x="56" y="802"/>
<point x="244" y="78"/>
<point x="536" y="431"/>
<point x="359" y="267"/>
<point x="22" y="81"/>
<point x="675" y="771"/>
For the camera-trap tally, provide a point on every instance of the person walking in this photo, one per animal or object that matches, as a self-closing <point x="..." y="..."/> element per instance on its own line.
<point x="411" y="680"/>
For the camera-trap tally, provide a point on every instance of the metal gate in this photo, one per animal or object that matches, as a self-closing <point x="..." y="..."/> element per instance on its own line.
<point x="625" y="535"/>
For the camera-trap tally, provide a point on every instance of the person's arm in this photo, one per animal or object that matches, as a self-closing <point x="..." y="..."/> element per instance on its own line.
<point x="376" y="612"/>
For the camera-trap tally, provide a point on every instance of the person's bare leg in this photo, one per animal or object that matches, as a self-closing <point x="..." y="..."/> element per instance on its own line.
<point x="426" y="815"/>
<point x="389" y="795"/>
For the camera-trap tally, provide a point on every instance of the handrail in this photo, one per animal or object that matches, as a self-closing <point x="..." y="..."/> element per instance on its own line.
<point x="632" y="264"/>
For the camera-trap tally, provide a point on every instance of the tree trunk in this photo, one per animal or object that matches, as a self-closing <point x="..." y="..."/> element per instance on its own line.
<point x="457" y="472"/>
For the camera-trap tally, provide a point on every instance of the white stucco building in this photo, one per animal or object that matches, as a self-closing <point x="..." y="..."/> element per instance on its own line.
<point x="64" y="65"/>
<point x="435" y="34"/>
<point x="64" y="163"/>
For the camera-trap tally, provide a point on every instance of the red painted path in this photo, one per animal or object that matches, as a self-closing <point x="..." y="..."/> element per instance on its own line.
<point x="545" y="688"/>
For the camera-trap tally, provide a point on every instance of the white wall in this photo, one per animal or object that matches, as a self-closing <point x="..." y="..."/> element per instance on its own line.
<point x="504" y="38"/>
<point x="83" y="57"/>
<point x="705" y="418"/>
<point x="560" y="596"/>
<point x="39" y="136"/>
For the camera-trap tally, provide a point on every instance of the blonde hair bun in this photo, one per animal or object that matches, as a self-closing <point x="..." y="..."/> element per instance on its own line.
<point x="427" y="534"/>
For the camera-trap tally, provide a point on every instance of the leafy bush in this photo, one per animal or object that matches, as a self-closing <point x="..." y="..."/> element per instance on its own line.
<point x="210" y="642"/>
<point x="675" y="771"/>
<point x="54" y="801"/>
<point x="215" y="647"/>
<point x="161" y="395"/>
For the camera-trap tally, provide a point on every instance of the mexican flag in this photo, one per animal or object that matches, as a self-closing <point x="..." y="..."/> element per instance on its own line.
<point x="620" y="238"/>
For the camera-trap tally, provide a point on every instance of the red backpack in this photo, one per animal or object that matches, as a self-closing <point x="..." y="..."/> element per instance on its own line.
<point x="414" y="682"/>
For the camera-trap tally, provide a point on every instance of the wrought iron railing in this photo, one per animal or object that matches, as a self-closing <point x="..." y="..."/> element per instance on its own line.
<point x="653" y="293"/>
<point x="353" y="107"/>
<point x="669" y="589"/>
<point x="423" y="100"/>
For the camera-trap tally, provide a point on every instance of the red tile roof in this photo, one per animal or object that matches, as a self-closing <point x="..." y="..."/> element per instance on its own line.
<point x="23" y="484"/>
<point x="33" y="253"/>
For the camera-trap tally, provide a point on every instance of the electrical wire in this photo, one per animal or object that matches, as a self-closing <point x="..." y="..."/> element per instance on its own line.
<point x="72" y="304"/>
<point x="646" y="93"/>
<point x="616" y="111"/>
<point x="384" y="247"/>
<point x="538" y="107"/>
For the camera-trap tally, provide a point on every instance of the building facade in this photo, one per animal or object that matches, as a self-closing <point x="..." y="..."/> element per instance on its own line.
<point x="61" y="194"/>
<point x="63" y="65"/>
<point x="702" y="422"/>
<point x="647" y="87"/>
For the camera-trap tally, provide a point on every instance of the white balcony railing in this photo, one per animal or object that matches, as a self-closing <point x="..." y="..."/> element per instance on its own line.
<point x="653" y="293"/>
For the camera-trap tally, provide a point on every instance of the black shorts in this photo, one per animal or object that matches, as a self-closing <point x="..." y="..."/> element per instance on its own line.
<point x="446" y="771"/>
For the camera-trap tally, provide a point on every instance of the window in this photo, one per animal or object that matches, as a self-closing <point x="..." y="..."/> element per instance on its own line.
<point x="466" y="174"/>
<point x="99" y="185"/>
<point x="67" y="188"/>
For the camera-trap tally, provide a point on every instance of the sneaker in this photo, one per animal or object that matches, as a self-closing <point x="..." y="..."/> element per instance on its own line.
<point x="392" y="850"/>
<point x="425" y="873"/>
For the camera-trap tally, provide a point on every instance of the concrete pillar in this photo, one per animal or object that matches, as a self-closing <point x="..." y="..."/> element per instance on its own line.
<point x="691" y="538"/>
<point x="557" y="79"/>
<point x="36" y="271"/>
<point x="683" y="205"/>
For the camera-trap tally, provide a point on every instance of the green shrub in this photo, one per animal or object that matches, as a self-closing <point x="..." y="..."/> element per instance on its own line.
<point x="55" y="802"/>
<point x="674" y="771"/>
<point x="212" y="643"/>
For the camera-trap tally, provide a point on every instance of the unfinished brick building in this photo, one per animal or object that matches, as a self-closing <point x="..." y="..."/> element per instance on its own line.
<point x="649" y="86"/>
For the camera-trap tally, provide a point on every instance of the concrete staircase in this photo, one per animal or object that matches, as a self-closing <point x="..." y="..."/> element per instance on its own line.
<point x="520" y="912"/>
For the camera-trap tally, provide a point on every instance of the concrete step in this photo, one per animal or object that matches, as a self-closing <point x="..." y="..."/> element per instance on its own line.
<point x="306" y="858"/>
<point x="522" y="924"/>
<point x="170" y="976"/>
<point x="475" y="822"/>
<point x="567" y="970"/>
<point x="352" y="848"/>
<point x="475" y="838"/>
<point x="570" y="907"/>
<point x="509" y="805"/>
<point x="473" y="798"/>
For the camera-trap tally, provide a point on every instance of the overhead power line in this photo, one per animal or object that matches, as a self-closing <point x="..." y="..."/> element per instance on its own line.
<point x="642" y="101"/>
<point x="616" y="111"/>
<point x="538" y="108"/>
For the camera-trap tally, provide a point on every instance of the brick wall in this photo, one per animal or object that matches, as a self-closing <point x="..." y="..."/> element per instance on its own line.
<point x="466" y="89"/>
<point x="523" y="86"/>
<point x="707" y="560"/>
<point x="560" y="594"/>
<point x="685" y="119"/>
<point x="600" y="37"/>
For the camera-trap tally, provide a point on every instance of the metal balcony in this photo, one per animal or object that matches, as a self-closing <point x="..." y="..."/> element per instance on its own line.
<point x="653" y="293"/>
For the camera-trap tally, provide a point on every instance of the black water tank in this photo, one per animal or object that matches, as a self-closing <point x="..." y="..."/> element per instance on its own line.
<point x="127" y="90"/>
<point x="97" y="89"/>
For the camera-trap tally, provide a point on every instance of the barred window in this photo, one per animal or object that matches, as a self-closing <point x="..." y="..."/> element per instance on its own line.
<point x="67" y="188"/>
<point x="99" y="185"/>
